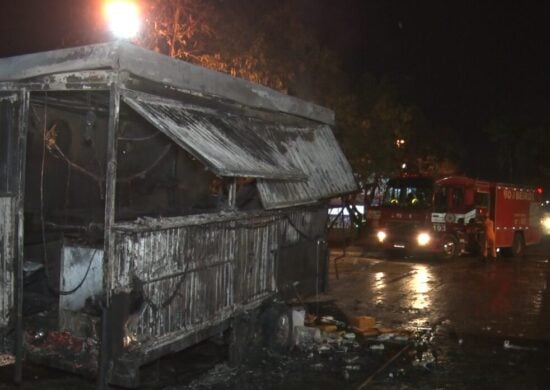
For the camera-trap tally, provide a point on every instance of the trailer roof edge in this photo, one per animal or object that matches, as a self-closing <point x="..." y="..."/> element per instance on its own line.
<point x="125" y="57"/>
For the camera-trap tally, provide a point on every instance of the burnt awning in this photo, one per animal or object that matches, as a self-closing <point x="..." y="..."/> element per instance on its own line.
<point x="227" y="149"/>
<point x="318" y="154"/>
<point x="294" y="165"/>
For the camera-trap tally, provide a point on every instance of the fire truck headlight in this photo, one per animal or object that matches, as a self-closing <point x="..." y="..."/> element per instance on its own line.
<point x="381" y="235"/>
<point x="423" y="239"/>
<point x="546" y="224"/>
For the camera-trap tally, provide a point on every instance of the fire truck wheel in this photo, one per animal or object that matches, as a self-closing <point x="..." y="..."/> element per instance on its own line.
<point x="479" y="243"/>
<point x="449" y="247"/>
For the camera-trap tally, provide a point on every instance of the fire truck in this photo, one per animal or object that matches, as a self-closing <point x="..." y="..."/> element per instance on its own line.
<point x="445" y="216"/>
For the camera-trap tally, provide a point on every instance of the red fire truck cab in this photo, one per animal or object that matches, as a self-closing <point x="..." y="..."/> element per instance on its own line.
<point x="444" y="216"/>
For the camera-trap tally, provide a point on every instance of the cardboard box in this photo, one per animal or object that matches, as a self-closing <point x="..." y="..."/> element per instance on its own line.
<point x="369" y="332"/>
<point x="327" y="328"/>
<point x="363" y="322"/>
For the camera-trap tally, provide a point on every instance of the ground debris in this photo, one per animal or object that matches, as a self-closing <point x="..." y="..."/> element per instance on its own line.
<point x="6" y="359"/>
<point x="219" y="374"/>
<point x="508" y="345"/>
<point x="426" y="358"/>
<point x="363" y="322"/>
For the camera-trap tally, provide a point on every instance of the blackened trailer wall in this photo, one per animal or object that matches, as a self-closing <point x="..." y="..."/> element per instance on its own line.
<point x="192" y="273"/>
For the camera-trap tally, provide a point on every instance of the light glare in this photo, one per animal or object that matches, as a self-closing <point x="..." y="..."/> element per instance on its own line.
<point x="123" y="18"/>
<point x="423" y="239"/>
<point x="421" y="287"/>
<point x="381" y="235"/>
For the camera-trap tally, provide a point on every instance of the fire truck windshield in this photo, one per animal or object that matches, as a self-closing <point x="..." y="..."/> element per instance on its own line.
<point x="409" y="193"/>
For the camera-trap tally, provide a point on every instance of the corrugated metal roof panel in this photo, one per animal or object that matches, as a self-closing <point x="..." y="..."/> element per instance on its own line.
<point x="229" y="146"/>
<point x="318" y="154"/>
<point x="295" y="165"/>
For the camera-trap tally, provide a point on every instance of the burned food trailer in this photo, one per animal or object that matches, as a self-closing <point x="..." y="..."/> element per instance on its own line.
<point x="146" y="203"/>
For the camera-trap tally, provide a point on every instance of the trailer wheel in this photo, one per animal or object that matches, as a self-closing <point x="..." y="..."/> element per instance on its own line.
<point x="277" y="327"/>
<point x="242" y="340"/>
<point x="449" y="247"/>
<point x="518" y="245"/>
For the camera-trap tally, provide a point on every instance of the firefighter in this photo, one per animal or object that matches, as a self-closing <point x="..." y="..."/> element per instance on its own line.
<point x="489" y="237"/>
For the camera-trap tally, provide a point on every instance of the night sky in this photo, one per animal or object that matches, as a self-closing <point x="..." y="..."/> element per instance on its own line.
<point x="464" y="62"/>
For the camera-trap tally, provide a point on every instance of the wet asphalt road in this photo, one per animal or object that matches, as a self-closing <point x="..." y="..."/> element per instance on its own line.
<point x="484" y="325"/>
<point x="506" y="297"/>
<point x="473" y="306"/>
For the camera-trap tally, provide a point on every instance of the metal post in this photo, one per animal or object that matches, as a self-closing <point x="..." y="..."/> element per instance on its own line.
<point x="232" y="195"/>
<point x="20" y="204"/>
<point x="108" y="254"/>
<point x="322" y="271"/>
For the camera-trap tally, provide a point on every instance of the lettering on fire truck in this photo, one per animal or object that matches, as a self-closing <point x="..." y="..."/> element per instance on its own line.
<point x="512" y="194"/>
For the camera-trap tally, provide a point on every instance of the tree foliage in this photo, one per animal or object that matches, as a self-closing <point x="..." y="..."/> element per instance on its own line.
<point x="269" y="43"/>
<point x="377" y="116"/>
<point x="244" y="39"/>
<point x="521" y="152"/>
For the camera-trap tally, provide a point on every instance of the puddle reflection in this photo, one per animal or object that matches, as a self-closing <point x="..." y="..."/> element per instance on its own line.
<point x="379" y="280"/>
<point x="419" y="286"/>
<point x="379" y="287"/>
<point x="416" y="287"/>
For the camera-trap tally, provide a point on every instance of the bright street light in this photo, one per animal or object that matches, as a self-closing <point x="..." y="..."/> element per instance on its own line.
<point x="123" y="18"/>
<point x="400" y="142"/>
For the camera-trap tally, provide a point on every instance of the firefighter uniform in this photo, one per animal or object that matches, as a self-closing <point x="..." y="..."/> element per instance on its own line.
<point x="489" y="238"/>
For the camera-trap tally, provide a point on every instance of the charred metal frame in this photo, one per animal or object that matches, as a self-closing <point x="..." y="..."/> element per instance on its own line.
<point x="13" y="212"/>
<point x="22" y="144"/>
<point x="234" y="236"/>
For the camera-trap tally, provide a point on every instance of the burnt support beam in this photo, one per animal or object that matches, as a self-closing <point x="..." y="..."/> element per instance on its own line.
<point x="232" y="194"/>
<point x="20" y="204"/>
<point x="110" y="191"/>
<point x="321" y="255"/>
<point x="110" y="186"/>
